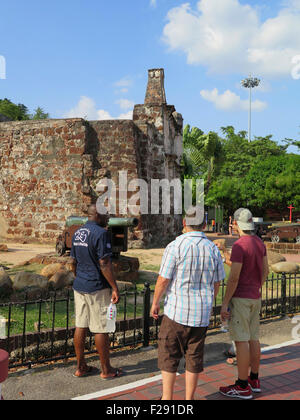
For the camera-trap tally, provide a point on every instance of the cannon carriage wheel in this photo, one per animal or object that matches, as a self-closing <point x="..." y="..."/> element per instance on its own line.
<point x="60" y="248"/>
<point x="275" y="238"/>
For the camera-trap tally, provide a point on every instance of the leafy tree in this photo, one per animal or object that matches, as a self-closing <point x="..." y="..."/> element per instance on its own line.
<point x="240" y="154"/>
<point x="292" y="142"/>
<point x="39" y="114"/>
<point x="202" y="154"/>
<point x="19" y="112"/>
<point x="273" y="182"/>
<point x="258" y="174"/>
<point x="227" y="192"/>
<point x="14" y="112"/>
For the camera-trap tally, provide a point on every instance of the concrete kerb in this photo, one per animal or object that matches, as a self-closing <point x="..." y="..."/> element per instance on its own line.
<point x="139" y="364"/>
<point x="157" y="378"/>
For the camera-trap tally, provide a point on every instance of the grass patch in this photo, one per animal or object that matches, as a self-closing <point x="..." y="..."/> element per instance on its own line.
<point x="148" y="273"/>
<point x="32" y="316"/>
<point x="32" y="268"/>
<point x="150" y="267"/>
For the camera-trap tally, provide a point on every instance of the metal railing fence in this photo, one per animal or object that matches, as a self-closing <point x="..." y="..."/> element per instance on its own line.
<point x="41" y="330"/>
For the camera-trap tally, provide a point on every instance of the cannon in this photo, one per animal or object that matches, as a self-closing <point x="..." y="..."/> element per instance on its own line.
<point x="117" y="228"/>
<point x="281" y="231"/>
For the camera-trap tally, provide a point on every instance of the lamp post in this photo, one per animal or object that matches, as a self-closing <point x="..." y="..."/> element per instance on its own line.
<point x="250" y="83"/>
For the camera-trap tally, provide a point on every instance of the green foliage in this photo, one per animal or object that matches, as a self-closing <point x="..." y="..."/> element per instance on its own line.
<point x="238" y="173"/>
<point x="39" y="114"/>
<point x="291" y="142"/>
<point x="225" y="191"/>
<point x="14" y="112"/>
<point x="19" y="112"/>
<point x="202" y="154"/>
<point x="274" y="182"/>
<point x="241" y="155"/>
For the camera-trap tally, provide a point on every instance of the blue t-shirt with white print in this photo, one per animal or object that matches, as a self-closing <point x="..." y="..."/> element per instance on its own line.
<point x="90" y="244"/>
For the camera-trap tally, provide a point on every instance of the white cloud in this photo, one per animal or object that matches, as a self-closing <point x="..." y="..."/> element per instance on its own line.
<point x="125" y="103"/>
<point x="230" y="101"/>
<point x="123" y="85"/>
<point x="124" y="82"/>
<point x="227" y="36"/>
<point x="86" y="108"/>
<point x="153" y="3"/>
<point x="126" y="116"/>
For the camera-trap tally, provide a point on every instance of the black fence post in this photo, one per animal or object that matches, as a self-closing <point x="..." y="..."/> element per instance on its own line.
<point x="146" y="315"/>
<point x="283" y="295"/>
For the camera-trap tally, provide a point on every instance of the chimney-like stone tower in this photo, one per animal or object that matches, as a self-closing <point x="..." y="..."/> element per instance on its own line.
<point x="160" y="151"/>
<point x="155" y="94"/>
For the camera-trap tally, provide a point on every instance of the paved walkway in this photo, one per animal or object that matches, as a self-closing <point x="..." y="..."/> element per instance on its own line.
<point x="280" y="380"/>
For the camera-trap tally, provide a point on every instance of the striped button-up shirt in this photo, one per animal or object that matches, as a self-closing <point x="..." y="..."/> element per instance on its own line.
<point x="193" y="264"/>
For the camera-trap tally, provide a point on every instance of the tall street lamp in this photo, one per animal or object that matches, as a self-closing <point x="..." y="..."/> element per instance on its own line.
<point x="250" y="83"/>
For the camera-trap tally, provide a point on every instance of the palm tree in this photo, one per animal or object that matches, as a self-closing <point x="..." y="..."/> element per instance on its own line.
<point x="202" y="154"/>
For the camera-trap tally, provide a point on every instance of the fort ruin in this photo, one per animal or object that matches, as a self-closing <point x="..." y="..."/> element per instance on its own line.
<point x="50" y="168"/>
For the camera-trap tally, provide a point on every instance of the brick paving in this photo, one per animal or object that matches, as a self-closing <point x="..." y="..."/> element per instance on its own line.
<point x="280" y="380"/>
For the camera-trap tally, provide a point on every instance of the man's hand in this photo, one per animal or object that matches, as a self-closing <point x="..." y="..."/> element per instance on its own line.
<point x="107" y="271"/>
<point x="225" y="313"/>
<point x="220" y="245"/>
<point x="115" y="297"/>
<point x="160" y="288"/>
<point x="155" y="311"/>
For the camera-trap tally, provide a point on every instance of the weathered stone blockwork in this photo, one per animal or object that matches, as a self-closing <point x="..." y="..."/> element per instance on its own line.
<point x="50" y="169"/>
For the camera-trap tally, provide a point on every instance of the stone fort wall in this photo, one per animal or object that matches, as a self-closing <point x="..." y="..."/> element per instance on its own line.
<point x="49" y="169"/>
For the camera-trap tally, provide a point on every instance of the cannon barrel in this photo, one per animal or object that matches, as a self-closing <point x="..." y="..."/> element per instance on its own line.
<point x="123" y="221"/>
<point x="113" y="221"/>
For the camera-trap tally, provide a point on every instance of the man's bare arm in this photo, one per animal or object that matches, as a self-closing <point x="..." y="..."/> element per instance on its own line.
<point x="160" y="288"/>
<point x="216" y="289"/>
<point x="232" y="282"/>
<point x="265" y="270"/>
<point x="107" y="271"/>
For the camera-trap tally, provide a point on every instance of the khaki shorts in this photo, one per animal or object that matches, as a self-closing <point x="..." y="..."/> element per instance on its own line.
<point x="91" y="310"/>
<point x="175" y="341"/>
<point x="245" y="319"/>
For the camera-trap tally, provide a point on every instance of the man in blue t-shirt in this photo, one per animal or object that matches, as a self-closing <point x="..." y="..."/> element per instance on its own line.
<point x="95" y="288"/>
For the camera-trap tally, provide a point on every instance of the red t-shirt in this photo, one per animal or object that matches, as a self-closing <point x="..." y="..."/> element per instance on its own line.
<point x="250" y="251"/>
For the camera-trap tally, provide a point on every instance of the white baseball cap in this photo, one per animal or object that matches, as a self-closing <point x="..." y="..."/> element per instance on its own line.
<point x="244" y="219"/>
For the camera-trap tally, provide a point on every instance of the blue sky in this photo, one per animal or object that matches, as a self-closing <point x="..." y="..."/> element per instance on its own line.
<point x="89" y="58"/>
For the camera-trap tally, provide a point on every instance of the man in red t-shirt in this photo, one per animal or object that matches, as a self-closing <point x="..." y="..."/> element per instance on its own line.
<point x="242" y="304"/>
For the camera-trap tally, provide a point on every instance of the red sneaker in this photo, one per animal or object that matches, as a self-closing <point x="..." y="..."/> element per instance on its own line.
<point x="235" y="391"/>
<point x="254" y="385"/>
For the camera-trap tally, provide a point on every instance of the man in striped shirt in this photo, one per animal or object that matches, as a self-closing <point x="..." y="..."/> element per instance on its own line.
<point x="190" y="275"/>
